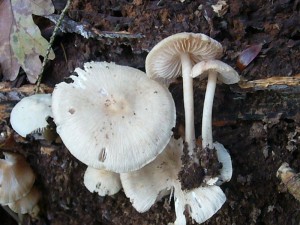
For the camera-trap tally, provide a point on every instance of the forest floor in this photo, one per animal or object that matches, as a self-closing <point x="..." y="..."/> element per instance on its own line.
<point x="259" y="125"/>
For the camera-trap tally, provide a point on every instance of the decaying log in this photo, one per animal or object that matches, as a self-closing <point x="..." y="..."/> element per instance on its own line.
<point x="271" y="98"/>
<point x="264" y="99"/>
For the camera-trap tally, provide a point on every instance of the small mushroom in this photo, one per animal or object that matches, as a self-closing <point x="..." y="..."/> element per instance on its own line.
<point x="26" y="204"/>
<point x="102" y="181"/>
<point x="214" y="69"/>
<point x="16" y="178"/>
<point x="176" y="55"/>
<point x="30" y="114"/>
<point x="113" y="117"/>
<point x="146" y="186"/>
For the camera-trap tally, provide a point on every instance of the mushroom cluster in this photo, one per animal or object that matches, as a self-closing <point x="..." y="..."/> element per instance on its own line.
<point x="16" y="185"/>
<point x="118" y="121"/>
<point x="191" y="55"/>
<point x="148" y="185"/>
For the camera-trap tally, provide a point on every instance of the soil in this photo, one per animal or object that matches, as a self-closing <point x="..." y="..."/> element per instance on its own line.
<point x="260" y="128"/>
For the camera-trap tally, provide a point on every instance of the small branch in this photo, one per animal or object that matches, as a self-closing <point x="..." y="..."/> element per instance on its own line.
<point x="272" y="83"/>
<point x="87" y="31"/>
<point x="50" y="45"/>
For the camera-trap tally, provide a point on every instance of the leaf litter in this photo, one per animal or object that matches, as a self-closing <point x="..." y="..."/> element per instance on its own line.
<point x="21" y="42"/>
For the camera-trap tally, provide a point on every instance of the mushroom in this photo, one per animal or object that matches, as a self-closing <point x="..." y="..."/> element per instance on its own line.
<point x="30" y="114"/>
<point x="16" y="178"/>
<point x="101" y="181"/>
<point x="113" y="117"/>
<point x="214" y="69"/>
<point x="176" y="55"/>
<point x="146" y="186"/>
<point x="26" y="204"/>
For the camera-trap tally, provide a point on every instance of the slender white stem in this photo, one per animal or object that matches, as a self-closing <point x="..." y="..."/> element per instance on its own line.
<point x="207" y="139"/>
<point x="188" y="98"/>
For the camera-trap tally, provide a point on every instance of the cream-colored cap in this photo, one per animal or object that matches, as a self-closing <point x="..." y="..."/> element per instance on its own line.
<point x="113" y="117"/>
<point x="27" y="203"/>
<point x="30" y="114"/>
<point x="225" y="159"/>
<point x="202" y="203"/>
<point x="146" y="186"/>
<point x="102" y="181"/>
<point x="226" y="73"/>
<point x="164" y="60"/>
<point x="16" y="178"/>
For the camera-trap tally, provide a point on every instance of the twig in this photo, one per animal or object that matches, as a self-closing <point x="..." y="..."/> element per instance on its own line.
<point x="50" y="45"/>
<point x="65" y="54"/>
<point x="87" y="31"/>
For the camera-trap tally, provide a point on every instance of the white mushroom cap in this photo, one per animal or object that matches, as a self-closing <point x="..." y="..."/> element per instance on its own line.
<point x="102" y="181"/>
<point x="164" y="60"/>
<point x="202" y="203"/>
<point x="113" y="117"/>
<point x="16" y="178"/>
<point x="225" y="159"/>
<point x="148" y="185"/>
<point x="226" y="73"/>
<point x="30" y="114"/>
<point x="27" y="203"/>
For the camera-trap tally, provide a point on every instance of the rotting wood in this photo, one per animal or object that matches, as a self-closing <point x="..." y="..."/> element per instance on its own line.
<point x="284" y="84"/>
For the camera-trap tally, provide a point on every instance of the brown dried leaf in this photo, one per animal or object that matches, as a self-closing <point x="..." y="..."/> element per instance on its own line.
<point x="21" y="42"/>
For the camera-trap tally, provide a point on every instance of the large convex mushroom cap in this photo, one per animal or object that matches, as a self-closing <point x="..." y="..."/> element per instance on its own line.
<point x="113" y="117"/>
<point x="16" y="178"/>
<point x="164" y="60"/>
<point x="30" y="114"/>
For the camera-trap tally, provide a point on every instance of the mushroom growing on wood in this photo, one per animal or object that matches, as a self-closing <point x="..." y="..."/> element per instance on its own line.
<point x="113" y="117"/>
<point x="101" y="181"/>
<point x="176" y="55"/>
<point x="16" y="178"/>
<point x="214" y="69"/>
<point x="146" y="186"/>
<point x="30" y="114"/>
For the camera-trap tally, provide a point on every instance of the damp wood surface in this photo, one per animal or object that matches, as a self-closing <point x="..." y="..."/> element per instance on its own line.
<point x="257" y="120"/>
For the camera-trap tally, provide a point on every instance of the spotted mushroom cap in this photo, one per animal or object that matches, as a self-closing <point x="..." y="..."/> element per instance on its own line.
<point x="16" y="178"/>
<point x="226" y="74"/>
<point x="164" y="61"/>
<point x="27" y="203"/>
<point x="113" y="117"/>
<point x="102" y="181"/>
<point x="30" y="114"/>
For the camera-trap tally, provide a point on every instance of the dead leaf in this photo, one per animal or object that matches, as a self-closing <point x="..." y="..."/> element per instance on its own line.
<point x="21" y="42"/>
